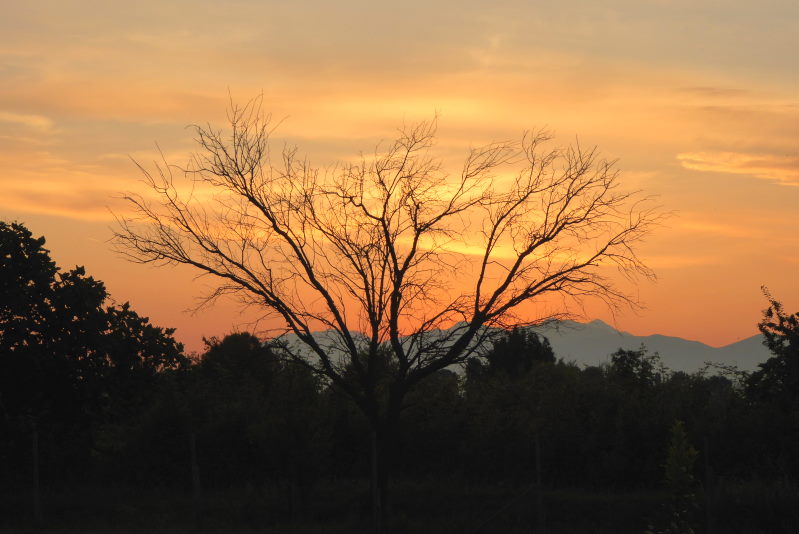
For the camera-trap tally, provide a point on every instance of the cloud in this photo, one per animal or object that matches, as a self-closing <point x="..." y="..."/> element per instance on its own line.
<point x="35" y="122"/>
<point x="715" y="92"/>
<point x="777" y="168"/>
<point x="87" y="205"/>
<point x="680" y="261"/>
<point x="717" y="229"/>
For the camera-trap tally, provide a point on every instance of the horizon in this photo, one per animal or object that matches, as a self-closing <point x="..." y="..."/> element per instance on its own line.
<point x="699" y="107"/>
<point x="585" y="322"/>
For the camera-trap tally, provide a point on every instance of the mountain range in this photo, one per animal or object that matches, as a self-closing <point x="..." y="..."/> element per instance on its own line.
<point x="592" y="343"/>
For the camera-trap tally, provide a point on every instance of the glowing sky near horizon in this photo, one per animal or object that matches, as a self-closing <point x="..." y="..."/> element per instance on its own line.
<point x="699" y="102"/>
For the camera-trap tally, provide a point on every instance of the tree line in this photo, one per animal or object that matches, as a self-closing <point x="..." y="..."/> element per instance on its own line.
<point x="101" y="395"/>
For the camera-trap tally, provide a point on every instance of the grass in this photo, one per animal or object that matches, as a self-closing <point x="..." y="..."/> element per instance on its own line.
<point x="418" y="506"/>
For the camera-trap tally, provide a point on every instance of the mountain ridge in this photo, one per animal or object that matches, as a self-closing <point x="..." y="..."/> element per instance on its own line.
<point x="593" y="342"/>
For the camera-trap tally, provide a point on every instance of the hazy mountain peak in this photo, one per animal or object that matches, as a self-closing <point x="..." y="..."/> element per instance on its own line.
<point x="593" y="342"/>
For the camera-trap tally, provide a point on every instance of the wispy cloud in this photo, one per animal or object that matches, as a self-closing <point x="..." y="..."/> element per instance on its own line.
<point x="35" y="122"/>
<point x="778" y="168"/>
<point x="680" y="261"/>
<point x="716" y="229"/>
<point x="715" y="92"/>
<point x="86" y="205"/>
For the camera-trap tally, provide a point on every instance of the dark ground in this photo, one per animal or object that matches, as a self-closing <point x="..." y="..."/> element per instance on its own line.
<point x="432" y="506"/>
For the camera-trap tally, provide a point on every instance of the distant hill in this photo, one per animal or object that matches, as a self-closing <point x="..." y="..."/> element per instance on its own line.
<point x="592" y="343"/>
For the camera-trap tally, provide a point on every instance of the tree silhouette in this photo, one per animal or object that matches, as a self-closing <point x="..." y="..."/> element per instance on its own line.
<point x="513" y="353"/>
<point x="777" y="380"/>
<point x="774" y="388"/>
<point x="636" y="368"/>
<point x="389" y="251"/>
<point x="68" y="359"/>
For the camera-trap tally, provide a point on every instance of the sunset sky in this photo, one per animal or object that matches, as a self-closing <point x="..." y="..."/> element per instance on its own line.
<point x="699" y="102"/>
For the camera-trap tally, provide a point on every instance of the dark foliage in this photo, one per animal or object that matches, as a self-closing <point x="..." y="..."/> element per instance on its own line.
<point x="777" y="380"/>
<point x="118" y="405"/>
<point x="69" y="362"/>
<point x="774" y="391"/>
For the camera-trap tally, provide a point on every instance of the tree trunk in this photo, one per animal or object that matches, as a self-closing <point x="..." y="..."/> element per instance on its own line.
<point x="382" y="440"/>
<point x="383" y="459"/>
<point x="709" y="489"/>
<point x="377" y="494"/>
<point x="195" y="477"/>
<point x="539" y="490"/>
<point x="37" y="499"/>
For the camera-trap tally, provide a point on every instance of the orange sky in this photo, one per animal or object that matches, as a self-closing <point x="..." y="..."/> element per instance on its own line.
<point x="699" y="104"/>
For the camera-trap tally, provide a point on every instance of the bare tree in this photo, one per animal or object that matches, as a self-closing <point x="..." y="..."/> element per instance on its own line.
<point x="390" y="253"/>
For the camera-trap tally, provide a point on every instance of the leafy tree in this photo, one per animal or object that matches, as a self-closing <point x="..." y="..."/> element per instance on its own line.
<point x="680" y="461"/>
<point x="515" y="395"/>
<point x="238" y="357"/>
<point x="28" y="289"/>
<point x="777" y="380"/>
<point x="774" y="391"/>
<point x="258" y="416"/>
<point x="514" y="354"/>
<point x="433" y="428"/>
<point x="67" y="358"/>
<point x="636" y="425"/>
<point x="636" y="368"/>
<point x="680" y="516"/>
<point x="371" y="250"/>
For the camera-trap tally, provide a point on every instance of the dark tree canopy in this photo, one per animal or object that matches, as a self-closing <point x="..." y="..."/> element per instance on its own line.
<point x="26" y="286"/>
<point x="513" y="354"/>
<point x="637" y="368"/>
<point x="777" y="380"/>
<point x="240" y="355"/>
<point x="63" y="347"/>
